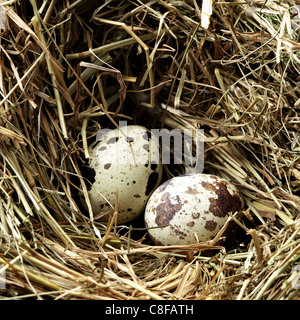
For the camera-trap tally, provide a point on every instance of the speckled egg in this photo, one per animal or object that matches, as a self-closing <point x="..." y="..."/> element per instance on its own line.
<point x="190" y="208"/>
<point x="127" y="160"/>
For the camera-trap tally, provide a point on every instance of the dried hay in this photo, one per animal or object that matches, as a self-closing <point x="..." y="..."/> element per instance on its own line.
<point x="71" y="67"/>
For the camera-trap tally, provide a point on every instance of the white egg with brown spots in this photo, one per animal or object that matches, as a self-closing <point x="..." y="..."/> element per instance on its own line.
<point x="190" y="208"/>
<point x="127" y="161"/>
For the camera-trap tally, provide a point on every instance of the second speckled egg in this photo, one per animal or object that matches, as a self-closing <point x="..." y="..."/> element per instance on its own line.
<point x="190" y="208"/>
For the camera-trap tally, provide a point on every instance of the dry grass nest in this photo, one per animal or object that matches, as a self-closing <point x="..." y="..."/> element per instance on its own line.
<point x="69" y="68"/>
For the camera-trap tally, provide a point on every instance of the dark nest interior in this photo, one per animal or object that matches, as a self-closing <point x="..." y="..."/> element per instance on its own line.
<point x="69" y="68"/>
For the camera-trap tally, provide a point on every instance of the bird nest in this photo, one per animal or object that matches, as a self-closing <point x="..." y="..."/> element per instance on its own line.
<point x="70" y="68"/>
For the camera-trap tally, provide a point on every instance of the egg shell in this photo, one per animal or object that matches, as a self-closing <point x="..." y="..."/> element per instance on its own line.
<point x="190" y="204"/>
<point x="127" y="161"/>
